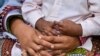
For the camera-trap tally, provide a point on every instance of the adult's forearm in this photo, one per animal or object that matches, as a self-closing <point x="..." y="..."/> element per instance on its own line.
<point x="16" y="24"/>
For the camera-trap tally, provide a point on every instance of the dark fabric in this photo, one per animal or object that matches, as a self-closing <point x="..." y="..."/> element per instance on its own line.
<point x="6" y="47"/>
<point x="11" y="19"/>
<point x="96" y="44"/>
<point x="1" y="3"/>
<point x="1" y="43"/>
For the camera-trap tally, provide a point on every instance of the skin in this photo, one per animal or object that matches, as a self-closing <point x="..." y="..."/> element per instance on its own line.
<point x="27" y="37"/>
<point x="34" y="46"/>
<point x="44" y="26"/>
<point x="53" y="35"/>
<point x="62" y="42"/>
<point x="68" y="28"/>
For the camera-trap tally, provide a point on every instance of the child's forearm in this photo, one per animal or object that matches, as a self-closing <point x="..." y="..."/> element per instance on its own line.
<point x="77" y="31"/>
<point x="68" y="27"/>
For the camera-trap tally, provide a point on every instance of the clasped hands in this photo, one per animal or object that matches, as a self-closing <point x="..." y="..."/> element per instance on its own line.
<point x="42" y="42"/>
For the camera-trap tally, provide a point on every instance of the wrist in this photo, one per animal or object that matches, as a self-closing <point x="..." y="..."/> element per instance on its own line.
<point x="16" y="24"/>
<point x="11" y="19"/>
<point x="79" y="30"/>
<point x="39" y="23"/>
<point x="75" y="30"/>
<point x="79" y="41"/>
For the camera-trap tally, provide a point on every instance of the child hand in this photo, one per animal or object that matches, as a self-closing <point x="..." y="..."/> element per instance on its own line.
<point x="44" y="26"/>
<point x="68" y="27"/>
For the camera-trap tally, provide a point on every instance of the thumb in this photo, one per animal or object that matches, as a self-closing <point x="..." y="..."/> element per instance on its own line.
<point x="24" y="53"/>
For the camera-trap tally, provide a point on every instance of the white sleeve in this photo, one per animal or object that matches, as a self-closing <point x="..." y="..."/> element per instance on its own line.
<point x="91" y="26"/>
<point x="13" y="12"/>
<point x="31" y="11"/>
<point x="10" y="13"/>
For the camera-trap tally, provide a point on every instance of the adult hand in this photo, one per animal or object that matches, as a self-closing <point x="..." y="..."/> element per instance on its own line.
<point x="68" y="27"/>
<point x="63" y="42"/>
<point x="39" y="53"/>
<point x="28" y="37"/>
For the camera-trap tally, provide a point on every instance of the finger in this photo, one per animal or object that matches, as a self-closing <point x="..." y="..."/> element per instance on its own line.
<point x="62" y="54"/>
<point x="37" y="43"/>
<point x="61" y="28"/>
<point x="55" y="23"/>
<point x="57" y="52"/>
<point x="56" y="32"/>
<point x="59" y="46"/>
<point x="48" y="33"/>
<point x="67" y="48"/>
<point x="35" y="47"/>
<point x="31" y="52"/>
<point x="24" y="53"/>
<point x="38" y="32"/>
<point x="63" y="39"/>
<point x="48" y="38"/>
<point x="44" y="43"/>
<point x="38" y="53"/>
<point x="45" y="53"/>
<point x="43" y="33"/>
<point x="60" y="39"/>
<point x="60" y="24"/>
<point x="55" y="39"/>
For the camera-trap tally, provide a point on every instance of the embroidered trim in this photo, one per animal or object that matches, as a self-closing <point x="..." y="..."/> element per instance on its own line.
<point x="7" y="47"/>
<point x="6" y="10"/>
<point x="83" y="40"/>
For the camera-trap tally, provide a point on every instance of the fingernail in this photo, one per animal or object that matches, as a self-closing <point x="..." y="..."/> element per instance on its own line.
<point x="40" y="37"/>
<point x="39" y="48"/>
<point x="36" y="55"/>
<point x="58" y="36"/>
<point x="52" y="46"/>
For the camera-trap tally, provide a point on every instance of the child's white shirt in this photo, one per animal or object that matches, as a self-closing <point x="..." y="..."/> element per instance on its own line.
<point x="55" y="10"/>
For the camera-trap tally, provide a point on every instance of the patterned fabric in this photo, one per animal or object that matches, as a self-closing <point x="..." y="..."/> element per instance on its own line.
<point x="6" y="47"/>
<point x="7" y="44"/>
<point x="1" y="43"/>
<point x="83" y="52"/>
<point x="96" y="46"/>
<point x="83" y="39"/>
<point x="6" y="10"/>
<point x="77" y="52"/>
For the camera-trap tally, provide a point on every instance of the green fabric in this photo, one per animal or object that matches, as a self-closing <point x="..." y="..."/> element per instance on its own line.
<point x="77" y="52"/>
